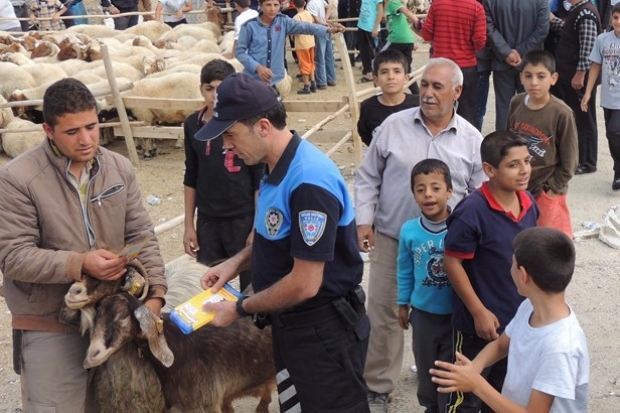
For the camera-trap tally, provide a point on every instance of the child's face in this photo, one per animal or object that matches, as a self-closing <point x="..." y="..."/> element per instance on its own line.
<point x="207" y="90"/>
<point x="431" y="193"/>
<point x="513" y="172"/>
<point x="270" y="8"/>
<point x="615" y="22"/>
<point x="391" y="78"/>
<point x="537" y="80"/>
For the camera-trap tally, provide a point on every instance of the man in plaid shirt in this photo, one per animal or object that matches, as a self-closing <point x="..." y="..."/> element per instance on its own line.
<point x="577" y="35"/>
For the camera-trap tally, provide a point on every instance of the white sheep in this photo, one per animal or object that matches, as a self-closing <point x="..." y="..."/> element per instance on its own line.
<point x="151" y="29"/>
<point x="284" y="85"/>
<point x="96" y="31"/>
<point x="14" y="144"/>
<point x="45" y="72"/>
<point x="14" y="77"/>
<point x="227" y="42"/>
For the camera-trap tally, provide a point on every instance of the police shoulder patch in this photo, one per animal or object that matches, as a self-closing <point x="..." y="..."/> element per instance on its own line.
<point x="312" y="225"/>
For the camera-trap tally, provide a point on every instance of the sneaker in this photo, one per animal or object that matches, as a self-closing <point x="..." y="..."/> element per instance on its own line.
<point x="304" y="91"/>
<point x="414" y="369"/>
<point x="378" y="402"/>
<point x="321" y="87"/>
<point x="313" y="88"/>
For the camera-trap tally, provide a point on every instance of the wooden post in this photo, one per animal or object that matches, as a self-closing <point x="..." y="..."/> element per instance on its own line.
<point x="354" y="108"/>
<point x="120" y="107"/>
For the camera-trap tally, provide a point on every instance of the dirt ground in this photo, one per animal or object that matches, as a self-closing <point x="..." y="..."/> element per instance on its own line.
<point x="593" y="293"/>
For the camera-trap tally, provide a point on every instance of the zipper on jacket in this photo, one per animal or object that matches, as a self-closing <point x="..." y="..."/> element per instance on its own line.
<point x="111" y="191"/>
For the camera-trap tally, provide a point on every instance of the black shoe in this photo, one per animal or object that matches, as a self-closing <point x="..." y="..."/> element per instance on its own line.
<point x="321" y="87"/>
<point x="312" y="87"/>
<point x="304" y="91"/>
<point x="584" y="170"/>
<point x="331" y="83"/>
<point x="615" y="185"/>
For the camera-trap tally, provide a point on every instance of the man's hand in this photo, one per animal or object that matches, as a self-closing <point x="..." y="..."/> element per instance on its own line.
<point x="486" y="325"/>
<point x="264" y="73"/>
<point x="190" y="242"/>
<point x="335" y="28"/>
<point x="250" y="239"/>
<point x="217" y="276"/>
<point x="462" y="376"/>
<point x="104" y="265"/>
<point x="403" y="316"/>
<point x="578" y="80"/>
<point x="225" y="313"/>
<point x="113" y="10"/>
<point x="155" y="305"/>
<point x="514" y="58"/>
<point x="180" y="14"/>
<point x="365" y="238"/>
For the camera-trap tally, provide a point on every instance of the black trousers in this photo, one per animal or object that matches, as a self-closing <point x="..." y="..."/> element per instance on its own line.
<point x="320" y="365"/>
<point x="222" y="239"/>
<point x="125" y="22"/>
<point x="469" y="95"/>
<point x="470" y="346"/>
<point x="22" y="11"/>
<point x="506" y="84"/>
<point x="612" y="131"/>
<point x="587" y="130"/>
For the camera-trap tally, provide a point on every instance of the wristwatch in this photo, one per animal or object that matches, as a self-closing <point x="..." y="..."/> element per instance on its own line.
<point x="239" y="307"/>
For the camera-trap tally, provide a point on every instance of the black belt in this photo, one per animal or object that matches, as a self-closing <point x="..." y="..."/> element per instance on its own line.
<point x="300" y="319"/>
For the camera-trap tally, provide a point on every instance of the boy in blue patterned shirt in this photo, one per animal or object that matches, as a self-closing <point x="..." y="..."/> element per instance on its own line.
<point x="424" y="291"/>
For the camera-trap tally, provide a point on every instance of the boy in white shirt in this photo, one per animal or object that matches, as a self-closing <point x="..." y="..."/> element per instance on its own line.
<point x="548" y="362"/>
<point x="245" y="14"/>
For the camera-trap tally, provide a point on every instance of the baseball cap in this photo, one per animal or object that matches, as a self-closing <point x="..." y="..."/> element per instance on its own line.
<point x="237" y="97"/>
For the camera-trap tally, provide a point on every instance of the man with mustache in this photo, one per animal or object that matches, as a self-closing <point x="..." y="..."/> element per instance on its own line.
<point x="382" y="201"/>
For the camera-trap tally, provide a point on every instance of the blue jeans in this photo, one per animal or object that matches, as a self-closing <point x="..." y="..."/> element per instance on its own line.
<point x="325" y="71"/>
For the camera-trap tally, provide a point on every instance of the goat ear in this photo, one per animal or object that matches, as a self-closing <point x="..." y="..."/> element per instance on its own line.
<point x="157" y="341"/>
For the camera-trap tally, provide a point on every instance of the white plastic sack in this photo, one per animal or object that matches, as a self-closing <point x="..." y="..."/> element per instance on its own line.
<point x="610" y="229"/>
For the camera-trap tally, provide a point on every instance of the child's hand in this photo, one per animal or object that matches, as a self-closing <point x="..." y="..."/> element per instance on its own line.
<point x="486" y="325"/>
<point x="461" y="376"/>
<point x="584" y="101"/>
<point x="264" y="73"/>
<point x="403" y="316"/>
<point x="55" y="17"/>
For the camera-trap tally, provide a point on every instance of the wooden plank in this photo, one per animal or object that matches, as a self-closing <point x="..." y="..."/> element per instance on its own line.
<point x="157" y="132"/>
<point x="314" y="105"/>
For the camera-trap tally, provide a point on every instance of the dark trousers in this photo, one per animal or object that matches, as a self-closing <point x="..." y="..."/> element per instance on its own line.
<point x="222" y="239"/>
<point x="482" y="97"/>
<point x="175" y="24"/>
<point x="587" y="130"/>
<point x="469" y="95"/>
<point x="125" y="22"/>
<point x="470" y="346"/>
<point x="612" y="131"/>
<point x="434" y="343"/>
<point x="320" y="365"/>
<point x="368" y="50"/>
<point x="22" y="12"/>
<point x="68" y="22"/>
<point x="506" y="84"/>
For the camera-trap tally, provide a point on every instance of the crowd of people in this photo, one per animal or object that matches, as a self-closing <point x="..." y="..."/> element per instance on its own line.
<point x="455" y="224"/>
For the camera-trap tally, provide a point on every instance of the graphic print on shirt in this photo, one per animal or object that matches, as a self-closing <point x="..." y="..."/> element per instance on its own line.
<point x="537" y="140"/>
<point x="273" y="221"/>
<point x="229" y="162"/>
<point x="611" y="53"/>
<point x="435" y="273"/>
<point x="312" y="225"/>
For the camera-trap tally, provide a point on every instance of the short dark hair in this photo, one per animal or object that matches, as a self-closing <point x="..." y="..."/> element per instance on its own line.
<point x="495" y="146"/>
<point x="276" y="115"/>
<point x="262" y="1"/>
<point x="68" y="95"/>
<point x="216" y="69"/>
<point x="389" y="56"/>
<point x="615" y="9"/>
<point x="244" y="4"/>
<point x="430" y="165"/>
<point x="548" y="256"/>
<point x="539" y="57"/>
<point x="299" y="3"/>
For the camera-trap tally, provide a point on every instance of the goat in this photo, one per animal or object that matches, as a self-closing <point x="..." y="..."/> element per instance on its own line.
<point x="200" y="372"/>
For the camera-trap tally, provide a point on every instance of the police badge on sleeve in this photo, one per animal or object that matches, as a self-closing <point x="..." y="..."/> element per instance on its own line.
<point x="312" y="225"/>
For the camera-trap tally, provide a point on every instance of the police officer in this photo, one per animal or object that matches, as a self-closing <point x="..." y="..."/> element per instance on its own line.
<point x="306" y="267"/>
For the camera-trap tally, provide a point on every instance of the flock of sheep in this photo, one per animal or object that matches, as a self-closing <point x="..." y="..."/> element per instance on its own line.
<point x="159" y="61"/>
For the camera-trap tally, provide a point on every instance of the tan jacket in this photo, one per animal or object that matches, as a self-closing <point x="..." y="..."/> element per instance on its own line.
<point x="44" y="235"/>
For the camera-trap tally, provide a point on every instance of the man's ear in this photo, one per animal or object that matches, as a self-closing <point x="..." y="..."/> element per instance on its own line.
<point x="49" y="131"/>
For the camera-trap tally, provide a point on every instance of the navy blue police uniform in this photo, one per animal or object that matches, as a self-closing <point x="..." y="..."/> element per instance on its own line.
<point x="305" y="212"/>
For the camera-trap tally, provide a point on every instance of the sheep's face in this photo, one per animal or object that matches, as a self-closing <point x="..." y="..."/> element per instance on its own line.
<point x="114" y="326"/>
